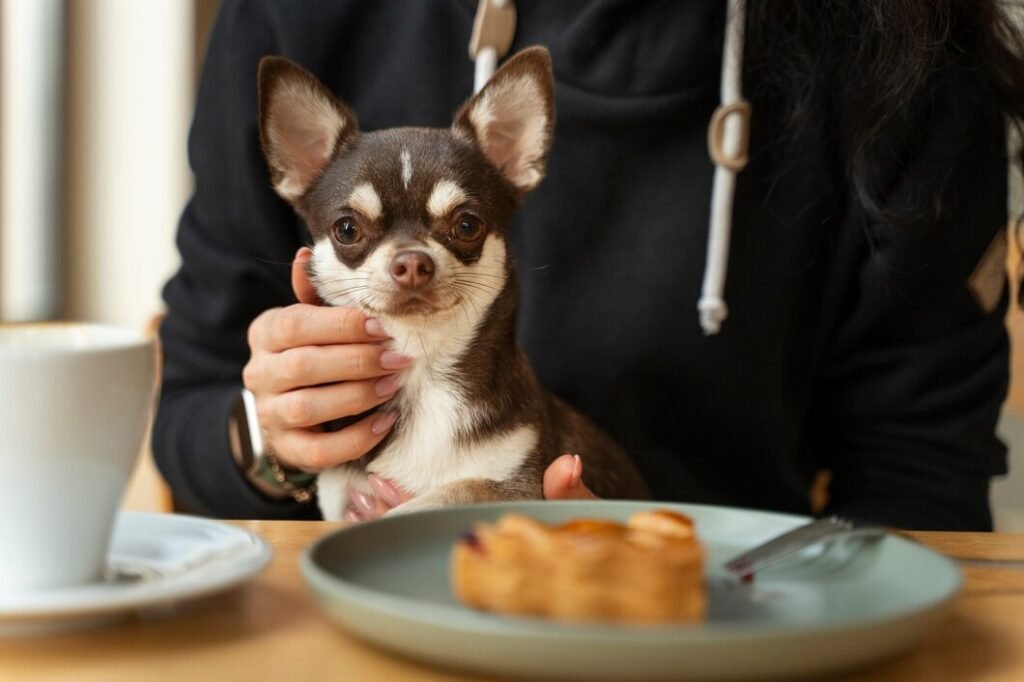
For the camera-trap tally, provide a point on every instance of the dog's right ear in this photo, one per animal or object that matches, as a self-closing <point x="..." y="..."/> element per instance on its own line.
<point x="302" y="125"/>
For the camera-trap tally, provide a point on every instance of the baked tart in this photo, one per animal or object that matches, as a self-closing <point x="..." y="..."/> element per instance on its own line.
<point x="649" y="570"/>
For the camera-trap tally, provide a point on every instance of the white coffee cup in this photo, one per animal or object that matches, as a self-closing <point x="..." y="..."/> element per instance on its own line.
<point x="75" y="402"/>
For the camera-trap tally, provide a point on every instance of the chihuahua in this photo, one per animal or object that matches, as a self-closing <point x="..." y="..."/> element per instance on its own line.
<point x="409" y="225"/>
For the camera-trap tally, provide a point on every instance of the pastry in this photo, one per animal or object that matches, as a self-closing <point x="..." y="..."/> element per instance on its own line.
<point x="649" y="570"/>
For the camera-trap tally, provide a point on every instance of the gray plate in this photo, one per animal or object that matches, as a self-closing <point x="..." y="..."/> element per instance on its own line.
<point x="387" y="582"/>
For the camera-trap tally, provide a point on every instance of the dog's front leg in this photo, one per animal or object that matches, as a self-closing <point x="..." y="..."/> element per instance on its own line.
<point x="333" y="487"/>
<point x="470" y="491"/>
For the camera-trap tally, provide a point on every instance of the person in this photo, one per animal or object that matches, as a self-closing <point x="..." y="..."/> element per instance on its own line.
<point x="866" y="297"/>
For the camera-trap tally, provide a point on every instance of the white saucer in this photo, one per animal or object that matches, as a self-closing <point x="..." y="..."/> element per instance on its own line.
<point x="155" y="560"/>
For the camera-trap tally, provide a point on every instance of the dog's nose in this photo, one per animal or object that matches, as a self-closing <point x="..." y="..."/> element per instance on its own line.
<point x="412" y="269"/>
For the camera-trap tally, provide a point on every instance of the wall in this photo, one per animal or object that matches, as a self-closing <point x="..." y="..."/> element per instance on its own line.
<point x="131" y="68"/>
<point x="130" y="78"/>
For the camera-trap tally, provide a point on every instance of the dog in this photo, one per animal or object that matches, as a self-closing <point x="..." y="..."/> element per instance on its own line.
<point x="409" y="225"/>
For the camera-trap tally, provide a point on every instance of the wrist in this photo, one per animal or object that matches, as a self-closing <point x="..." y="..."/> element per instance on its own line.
<point x="256" y="460"/>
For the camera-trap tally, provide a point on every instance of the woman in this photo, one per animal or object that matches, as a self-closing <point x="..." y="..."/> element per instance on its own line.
<point x="865" y="334"/>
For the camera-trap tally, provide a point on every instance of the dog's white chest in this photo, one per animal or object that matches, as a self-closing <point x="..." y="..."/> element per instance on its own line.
<point x="428" y="447"/>
<point x="424" y="450"/>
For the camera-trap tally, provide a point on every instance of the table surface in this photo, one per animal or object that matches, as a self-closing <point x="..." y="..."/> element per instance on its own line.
<point x="271" y="629"/>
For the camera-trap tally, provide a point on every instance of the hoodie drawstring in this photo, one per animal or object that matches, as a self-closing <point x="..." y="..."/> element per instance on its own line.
<point x="494" y="26"/>
<point x="728" y="139"/>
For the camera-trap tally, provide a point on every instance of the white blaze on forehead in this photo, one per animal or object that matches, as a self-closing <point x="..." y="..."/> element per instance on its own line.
<point x="406" y="167"/>
<point x="445" y="196"/>
<point x="364" y="198"/>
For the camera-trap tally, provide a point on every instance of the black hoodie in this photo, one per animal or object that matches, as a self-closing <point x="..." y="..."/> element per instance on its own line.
<point x="851" y="346"/>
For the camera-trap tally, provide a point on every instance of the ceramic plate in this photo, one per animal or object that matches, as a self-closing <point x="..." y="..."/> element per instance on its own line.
<point x="155" y="560"/>
<point x="387" y="582"/>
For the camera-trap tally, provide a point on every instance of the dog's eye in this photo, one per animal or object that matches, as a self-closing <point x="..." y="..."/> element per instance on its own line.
<point x="469" y="228"/>
<point x="346" y="231"/>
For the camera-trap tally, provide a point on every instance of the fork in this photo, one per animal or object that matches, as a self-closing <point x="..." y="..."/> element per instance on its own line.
<point x="820" y="531"/>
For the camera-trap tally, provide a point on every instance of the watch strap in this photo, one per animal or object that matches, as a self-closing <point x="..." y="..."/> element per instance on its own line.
<point x="257" y="463"/>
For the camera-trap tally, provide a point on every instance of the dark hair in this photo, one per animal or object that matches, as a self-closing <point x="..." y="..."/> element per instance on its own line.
<point x="888" y="56"/>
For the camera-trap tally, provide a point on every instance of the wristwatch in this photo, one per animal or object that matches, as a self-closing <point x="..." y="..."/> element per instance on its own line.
<point x="257" y="463"/>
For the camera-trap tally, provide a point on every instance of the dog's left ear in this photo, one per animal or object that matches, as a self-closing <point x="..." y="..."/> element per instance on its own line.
<point x="512" y="117"/>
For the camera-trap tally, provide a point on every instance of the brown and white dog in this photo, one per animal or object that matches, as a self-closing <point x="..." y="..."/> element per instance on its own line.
<point x="409" y="226"/>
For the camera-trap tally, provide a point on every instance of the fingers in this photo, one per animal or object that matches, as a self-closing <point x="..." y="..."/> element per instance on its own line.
<point x="302" y="324"/>
<point x="301" y="285"/>
<point x="387" y="491"/>
<point x="316" y="451"/>
<point x="313" y="365"/>
<point x="563" y="480"/>
<point x="364" y="506"/>
<point x="320" y="404"/>
<point x="384" y="496"/>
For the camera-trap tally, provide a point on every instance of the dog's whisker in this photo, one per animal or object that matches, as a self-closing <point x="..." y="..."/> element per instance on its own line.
<point x="500" y="284"/>
<point x="344" y="292"/>
<point x="365" y="300"/>
<point x="477" y="273"/>
<point x="478" y="287"/>
<point x="466" y="297"/>
<point x="478" y="277"/>
<point x="486" y="285"/>
<point x="342" y="280"/>
<point x="348" y="293"/>
<point x="423" y="347"/>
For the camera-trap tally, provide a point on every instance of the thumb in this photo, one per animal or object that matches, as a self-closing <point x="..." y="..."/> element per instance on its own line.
<point x="301" y="285"/>
<point x="563" y="480"/>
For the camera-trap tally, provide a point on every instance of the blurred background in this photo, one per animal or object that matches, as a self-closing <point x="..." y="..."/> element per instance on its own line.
<point x="96" y="98"/>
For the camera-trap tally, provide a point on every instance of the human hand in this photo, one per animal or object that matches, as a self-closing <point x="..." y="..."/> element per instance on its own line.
<point x="563" y="480"/>
<point x="366" y="506"/>
<point x="312" y="364"/>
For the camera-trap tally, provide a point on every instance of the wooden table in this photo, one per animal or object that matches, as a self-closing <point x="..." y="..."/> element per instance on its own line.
<point x="270" y="629"/>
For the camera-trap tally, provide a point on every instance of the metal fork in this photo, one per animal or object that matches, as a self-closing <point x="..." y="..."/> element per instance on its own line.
<point x="801" y="537"/>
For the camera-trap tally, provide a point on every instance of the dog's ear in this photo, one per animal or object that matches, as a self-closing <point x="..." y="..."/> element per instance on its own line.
<point x="302" y="125"/>
<point x="512" y="117"/>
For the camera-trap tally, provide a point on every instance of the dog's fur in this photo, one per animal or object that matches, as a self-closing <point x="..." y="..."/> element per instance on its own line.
<point x="474" y="423"/>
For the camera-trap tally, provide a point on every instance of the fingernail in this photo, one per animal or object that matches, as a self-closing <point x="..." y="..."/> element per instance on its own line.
<point x="392" y="359"/>
<point x="577" y="471"/>
<point x="384" y="490"/>
<point x="352" y="516"/>
<point x="382" y="422"/>
<point x="362" y="501"/>
<point x="375" y="328"/>
<point x="387" y="385"/>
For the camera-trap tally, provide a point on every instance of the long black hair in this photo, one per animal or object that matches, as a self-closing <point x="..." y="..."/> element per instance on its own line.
<point x="875" y="63"/>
